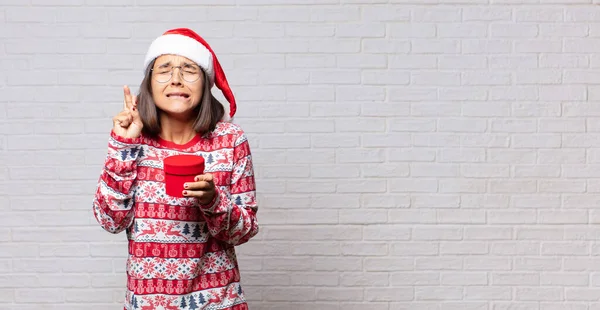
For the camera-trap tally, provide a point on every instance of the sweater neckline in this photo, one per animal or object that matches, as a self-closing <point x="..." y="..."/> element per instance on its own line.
<point x="173" y="145"/>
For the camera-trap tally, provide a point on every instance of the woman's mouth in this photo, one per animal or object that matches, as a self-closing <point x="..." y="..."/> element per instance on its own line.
<point x="178" y="95"/>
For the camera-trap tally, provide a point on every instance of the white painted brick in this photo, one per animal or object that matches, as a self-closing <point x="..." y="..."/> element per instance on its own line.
<point x="360" y="125"/>
<point x="436" y="109"/>
<point x="375" y="279"/>
<point x="564" y="30"/>
<point x="537" y="264"/>
<point x="513" y="30"/>
<point x="539" y="15"/>
<point x="517" y="63"/>
<point x="358" y="305"/>
<point x="311" y="278"/>
<point x="334" y="171"/>
<point x="434" y="170"/>
<point x="389" y="294"/>
<point x="407" y="30"/>
<point x="515" y="305"/>
<point x="338" y="264"/>
<point x="413" y="62"/>
<point x="564" y="61"/>
<point x="318" y="109"/>
<point x="385" y="140"/>
<point x="463" y="248"/>
<point x="366" y="93"/>
<point x="450" y="233"/>
<point x="386" y="232"/>
<point x="318" y="126"/>
<point x="511" y="217"/>
<point x="486" y="14"/>
<point x="461" y="155"/>
<point x="359" y="156"/>
<point x="446" y="160"/>
<point x="386" y="46"/>
<point x="484" y="46"/>
<point x="438" y="293"/>
<point x="334" y="13"/>
<point x="425" y="201"/>
<point x="363" y="61"/>
<point x="462" y="185"/>
<point x="564" y="278"/>
<point x="490" y="263"/>
<point x="487" y="293"/>
<point x="435" y="78"/>
<point x="385" y="13"/>
<point x="307" y="30"/>
<point x="464" y="278"/>
<point x="542" y="233"/>
<point x="511" y="93"/>
<point x="415" y="186"/>
<point x="435" y="46"/>
<point x="412" y="216"/>
<point x="569" y="186"/>
<point x="370" y="30"/>
<point x="335" y="76"/>
<point x="539" y="294"/>
<point x="414" y="279"/>
<point x="310" y="61"/>
<point x="429" y="14"/>
<point x="336" y="140"/>
<point x="338" y="294"/>
<point x="343" y="47"/>
<point x="462" y="30"/>
<point x="473" y="93"/>
<point x="539" y="46"/>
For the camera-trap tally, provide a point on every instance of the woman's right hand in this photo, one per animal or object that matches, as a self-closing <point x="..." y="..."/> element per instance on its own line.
<point x="128" y="123"/>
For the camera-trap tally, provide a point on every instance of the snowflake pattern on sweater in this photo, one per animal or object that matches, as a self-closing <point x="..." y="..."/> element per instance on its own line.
<point x="181" y="252"/>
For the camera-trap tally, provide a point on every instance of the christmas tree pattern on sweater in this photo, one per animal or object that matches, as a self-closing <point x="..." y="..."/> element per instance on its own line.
<point x="181" y="253"/>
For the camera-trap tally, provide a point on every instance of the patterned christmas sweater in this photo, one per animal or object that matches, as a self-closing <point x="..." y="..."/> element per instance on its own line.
<point x="181" y="253"/>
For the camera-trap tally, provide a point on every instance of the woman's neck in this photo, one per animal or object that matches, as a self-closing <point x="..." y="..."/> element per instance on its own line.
<point x="176" y="131"/>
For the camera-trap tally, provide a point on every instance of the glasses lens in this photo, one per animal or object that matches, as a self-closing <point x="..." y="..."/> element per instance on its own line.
<point x="190" y="76"/>
<point x="162" y="76"/>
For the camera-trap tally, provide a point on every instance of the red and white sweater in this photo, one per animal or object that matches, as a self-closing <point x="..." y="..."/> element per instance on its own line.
<point x="181" y="253"/>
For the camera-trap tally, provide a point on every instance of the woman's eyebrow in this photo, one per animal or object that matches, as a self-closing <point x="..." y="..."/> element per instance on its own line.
<point x="189" y="64"/>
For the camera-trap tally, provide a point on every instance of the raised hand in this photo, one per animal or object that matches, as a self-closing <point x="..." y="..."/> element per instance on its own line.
<point x="127" y="123"/>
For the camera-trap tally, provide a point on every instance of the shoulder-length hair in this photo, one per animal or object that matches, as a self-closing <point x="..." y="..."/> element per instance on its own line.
<point x="208" y="113"/>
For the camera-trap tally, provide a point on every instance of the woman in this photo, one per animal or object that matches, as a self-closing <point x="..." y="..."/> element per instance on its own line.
<point x="181" y="249"/>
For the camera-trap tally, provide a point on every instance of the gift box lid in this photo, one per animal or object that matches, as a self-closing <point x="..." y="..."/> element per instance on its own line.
<point x="184" y="164"/>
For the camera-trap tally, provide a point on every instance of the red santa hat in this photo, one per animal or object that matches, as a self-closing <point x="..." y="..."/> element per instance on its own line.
<point x="187" y="43"/>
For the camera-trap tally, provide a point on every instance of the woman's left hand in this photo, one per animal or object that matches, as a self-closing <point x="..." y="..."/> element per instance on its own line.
<point x="202" y="189"/>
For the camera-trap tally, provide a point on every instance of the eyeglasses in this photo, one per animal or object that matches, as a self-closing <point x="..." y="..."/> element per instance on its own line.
<point x="188" y="73"/>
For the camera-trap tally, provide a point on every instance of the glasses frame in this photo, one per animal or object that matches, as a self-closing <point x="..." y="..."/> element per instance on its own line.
<point x="180" y="75"/>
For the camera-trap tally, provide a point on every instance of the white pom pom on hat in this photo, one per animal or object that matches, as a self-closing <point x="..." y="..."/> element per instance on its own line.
<point x="185" y="42"/>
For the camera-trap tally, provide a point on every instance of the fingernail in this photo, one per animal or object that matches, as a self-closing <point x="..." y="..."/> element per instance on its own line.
<point x="185" y="193"/>
<point x="185" y="185"/>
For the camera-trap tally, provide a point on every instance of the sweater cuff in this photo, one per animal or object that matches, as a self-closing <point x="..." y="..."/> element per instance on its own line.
<point x="210" y="207"/>
<point x="124" y="140"/>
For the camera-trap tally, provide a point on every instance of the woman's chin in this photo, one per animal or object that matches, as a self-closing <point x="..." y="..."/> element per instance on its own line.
<point x="177" y="107"/>
<point x="179" y="111"/>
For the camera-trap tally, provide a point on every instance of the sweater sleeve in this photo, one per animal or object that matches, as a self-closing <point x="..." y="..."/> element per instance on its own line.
<point x="113" y="201"/>
<point x="231" y="216"/>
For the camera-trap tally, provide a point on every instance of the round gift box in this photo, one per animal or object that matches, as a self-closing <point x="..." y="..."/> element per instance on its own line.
<point x="180" y="169"/>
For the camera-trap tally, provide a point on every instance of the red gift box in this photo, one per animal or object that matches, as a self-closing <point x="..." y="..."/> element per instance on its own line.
<point x="180" y="169"/>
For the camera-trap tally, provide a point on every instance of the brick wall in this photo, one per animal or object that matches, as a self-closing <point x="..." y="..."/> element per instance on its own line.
<point x="417" y="155"/>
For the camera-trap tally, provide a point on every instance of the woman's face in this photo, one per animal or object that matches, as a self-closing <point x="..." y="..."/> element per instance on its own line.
<point x="172" y="90"/>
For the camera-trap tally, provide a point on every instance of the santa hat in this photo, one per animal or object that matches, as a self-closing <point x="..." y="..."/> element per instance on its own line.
<point x="187" y="43"/>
